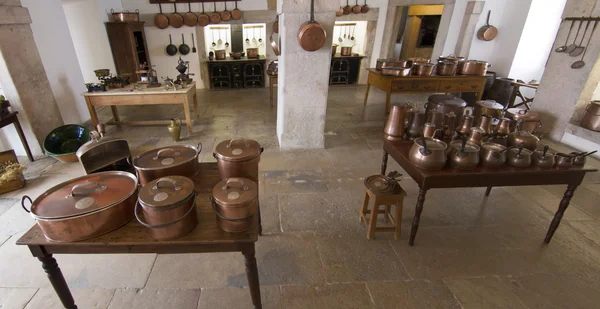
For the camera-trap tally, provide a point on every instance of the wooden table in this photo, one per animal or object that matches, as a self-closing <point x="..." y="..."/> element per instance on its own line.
<point x="483" y="177"/>
<point x="133" y="238"/>
<point x="272" y="81"/>
<point x="423" y="84"/>
<point x="12" y="118"/>
<point x="146" y="96"/>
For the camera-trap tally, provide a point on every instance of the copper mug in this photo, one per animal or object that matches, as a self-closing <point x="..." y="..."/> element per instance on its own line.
<point x="395" y="127"/>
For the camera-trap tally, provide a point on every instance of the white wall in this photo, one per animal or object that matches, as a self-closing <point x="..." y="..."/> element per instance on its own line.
<point x="86" y="23"/>
<point x="360" y="36"/>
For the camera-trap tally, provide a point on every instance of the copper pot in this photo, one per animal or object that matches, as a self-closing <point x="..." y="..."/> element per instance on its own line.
<point x="394" y="128"/>
<point x="543" y="158"/>
<point x="446" y="104"/>
<point x="436" y="117"/>
<point x="476" y="135"/>
<point x="531" y="119"/>
<point x="451" y="59"/>
<point x="591" y="118"/>
<point x="176" y="160"/>
<point x="446" y="68"/>
<point x="472" y="67"/>
<point x="428" y="153"/>
<point x="492" y="155"/>
<point x="86" y="206"/>
<point x="487" y="107"/>
<point x="235" y="201"/>
<point x="526" y="138"/>
<point x="168" y="206"/>
<point x="519" y="156"/>
<point x="563" y="160"/>
<point x="429" y="130"/>
<point x="220" y="54"/>
<point x="463" y="155"/>
<point x="252" y="53"/>
<point x="503" y="127"/>
<point x="485" y="123"/>
<point x="346" y="50"/>
<point x="381" y="61"/>
<point x="422" y="69"/>
<point x="238" y="158"/>
<point x="395" y="71"/>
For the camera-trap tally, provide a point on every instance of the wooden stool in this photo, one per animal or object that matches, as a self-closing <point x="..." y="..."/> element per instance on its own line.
<point x="387" y="200"/>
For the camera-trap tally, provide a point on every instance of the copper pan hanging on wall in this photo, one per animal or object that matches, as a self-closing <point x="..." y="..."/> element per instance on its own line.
<point x="311" y="35"/>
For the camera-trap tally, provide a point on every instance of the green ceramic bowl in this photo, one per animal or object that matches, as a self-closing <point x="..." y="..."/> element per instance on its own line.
<point x="63" y="142"/>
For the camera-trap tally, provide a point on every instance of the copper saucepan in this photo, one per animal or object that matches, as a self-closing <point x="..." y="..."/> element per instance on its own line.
<point x="311" y="35"/>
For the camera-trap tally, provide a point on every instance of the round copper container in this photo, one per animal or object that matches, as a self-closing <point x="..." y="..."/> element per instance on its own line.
<point x="85" y="207"/>
<point x="381" y="184"/>
<point x="168" y="207"/>
<point x="180" y="160"/>
<point x="235" y="201"/>
<point x="238" y="158"/>
<point x="530" y="119"/>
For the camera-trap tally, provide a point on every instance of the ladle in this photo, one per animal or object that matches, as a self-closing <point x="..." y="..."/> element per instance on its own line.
<point x="580" y="63"/>
<point x="353" y="29"/>
<point x="212" y="32"/>
<point x="226" y="39"/>
<point x="219" y="42"/>
<point x="247" y="36"/>
<point x="254" y="36"/>
<point x="573" y="45"/>
<point x="579" y="49"/>
<point x="340" y="38"/>
<point x="561" y="49"/>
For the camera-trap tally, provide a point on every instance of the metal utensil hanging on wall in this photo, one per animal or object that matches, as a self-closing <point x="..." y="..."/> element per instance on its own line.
<point x="247" y="36"/>
<point x="580" y="63"/>
<point x="219" y="42"/>
<point x="572" y="46"/>
<point x="254" y="36"/>
<point x="226" y="38"/>
<point x="260" y="35"/>
<point x="562" y="48"/>
<point x="579" y="49"/>
<point x="340" y="38"/>
<point x="193" y="44"/>
<point x="212" y="32"/>
<point x="184" y="49"/>
<point x="161" y="20"/>
<point x="171" y="49"/>
<point x="353" y="29"/>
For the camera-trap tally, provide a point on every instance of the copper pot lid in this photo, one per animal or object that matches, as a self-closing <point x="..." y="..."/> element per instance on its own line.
<point x="495" y="147"/>
<point x="524" y="114"/>
<point x="469" y="147"/>
<point x="447" y="100"/>
<point x="235" y="192"/>
<point x="83" y="195"/>
<point x="381" y="184"/>
<point x="165" y="157"/>
<point x="166" y="192"/>
<point x="238" y="150"/>
<point x="491" y="104"/>
<point x="432" y="143"/>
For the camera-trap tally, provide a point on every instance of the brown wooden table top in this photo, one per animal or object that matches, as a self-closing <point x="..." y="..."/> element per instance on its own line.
<point x="133" y="237"/>
<point x="377" y="72"/>
<point x="482" y="176"/>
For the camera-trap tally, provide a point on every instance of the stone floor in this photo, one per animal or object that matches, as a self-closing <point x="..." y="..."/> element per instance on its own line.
<point x="471" y="251"/>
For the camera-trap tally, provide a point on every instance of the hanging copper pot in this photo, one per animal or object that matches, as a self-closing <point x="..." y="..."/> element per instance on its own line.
<point x="235" y="201"/>
<point x="311" y="35"/>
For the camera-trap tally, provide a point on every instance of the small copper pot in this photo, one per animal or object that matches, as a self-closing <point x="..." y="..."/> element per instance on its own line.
<point x="252" y="53"/>
<point x="446" y="69"/>
<point x="492" y="155"/>
<point x="235" y="201"/>
<point x="181" y="160"/>
<point x="346" y="51"/>
<point x="422" y="69"/>
<point x="543" y="159"/>
<point x="220" y="54"/>
<point x="563" y="160"/>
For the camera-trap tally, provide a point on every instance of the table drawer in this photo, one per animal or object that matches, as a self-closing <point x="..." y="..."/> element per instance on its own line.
<point x="414" y="85"/>
<point x="469" y="85"/>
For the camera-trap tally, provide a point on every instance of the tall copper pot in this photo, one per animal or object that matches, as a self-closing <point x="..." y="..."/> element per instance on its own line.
<point x="235" y="202"/>
<point x="238" y="158"/>
<point x="175" y="160"/>
<point x="395" y="127"/>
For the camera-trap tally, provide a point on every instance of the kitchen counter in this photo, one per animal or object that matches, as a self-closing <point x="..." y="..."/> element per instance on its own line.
<point x="339" y="56"/>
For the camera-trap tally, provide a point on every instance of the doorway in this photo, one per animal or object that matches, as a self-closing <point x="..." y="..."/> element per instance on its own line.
<point x="418" y="30"/>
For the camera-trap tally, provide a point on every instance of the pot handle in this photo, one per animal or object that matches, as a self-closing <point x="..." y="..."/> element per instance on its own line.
<point x="239" y="139"/>
<point x="214" y="208"/>
<point x="199" y="147"/>
<point x="238" y="180"/>
<point x="162" y="151"/>
<point x="157" y="226"/>
<point x="25" y="197"/>
<point x="86" y="184"/>
<point x="172" y="181"/>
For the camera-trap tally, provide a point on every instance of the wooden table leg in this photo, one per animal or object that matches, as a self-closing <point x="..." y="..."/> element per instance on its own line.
<point x="58" y="281"/>
<point x="92" y="111"/>
<point x="388" y="98"/>
<point x="188" y="117"/>
<point x="487" y="191"/>
<point x="23" y="140"/>
<point x="196" y="109"/>
<point x="115" y="113"/>
<point x="259" y="221"/>
<point x="252" y="274"/>
<point x="417" y="217"/>
<point x="384" y="160"/>
<point x="367" y="93"/>
<point x="564" y="203"/>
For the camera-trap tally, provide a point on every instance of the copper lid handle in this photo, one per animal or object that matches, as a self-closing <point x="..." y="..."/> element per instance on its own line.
<point x="80" y="186"/>
<point x="162" y="151"/>
<point x="172" y="181"/>
<point x="238" y="180"/>
<point x="239" y="139"/>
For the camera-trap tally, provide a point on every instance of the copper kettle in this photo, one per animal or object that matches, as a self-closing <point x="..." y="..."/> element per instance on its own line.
<point x="416" y="122"/>
<point x="528" y="139"/>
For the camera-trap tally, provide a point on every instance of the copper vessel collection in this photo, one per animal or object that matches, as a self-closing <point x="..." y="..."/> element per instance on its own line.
<point x="448" y="135"/>
<point x="446" y="66"/>
<point x="162" y="197"/>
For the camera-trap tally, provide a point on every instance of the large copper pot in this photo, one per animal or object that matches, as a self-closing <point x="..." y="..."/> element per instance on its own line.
<point x="591" y="117"/>
<point x="235" y="201"/>
<point x="463" y="155"/>
<point x="176" y="160"/>
<point x="446" y="104"/>
<point x="395" y="127"/>
<point x="487" y="107"/>
<point x="422" y="69"/>
<point x="168" y="206"/>
<point x="472" y="67"/>
<point x="530" y="119"/>
<point x="428" y="153"/>
<point x="446" y="68"/>
<point x="238" y="158"/>
<point x="86" y="206"/>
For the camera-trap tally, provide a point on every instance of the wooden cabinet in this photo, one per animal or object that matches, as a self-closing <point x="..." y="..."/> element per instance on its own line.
<point x="128" y="45"/>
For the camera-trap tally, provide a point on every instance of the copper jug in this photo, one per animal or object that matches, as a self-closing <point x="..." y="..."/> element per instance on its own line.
<point x="449" y="124"/>
<point x="467" y="123"/>
<point x="415" y="128"/>
<point x="476" y="135"/>
<point x="504" y="127"/>
<point x="175" y="129"/>
<point x="485" y="123"/>
<point x="395" y="127"/>
<point x="429" y="130"/>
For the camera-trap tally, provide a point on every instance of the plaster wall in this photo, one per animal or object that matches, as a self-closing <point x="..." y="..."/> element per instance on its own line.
<point x="86" y="24"/>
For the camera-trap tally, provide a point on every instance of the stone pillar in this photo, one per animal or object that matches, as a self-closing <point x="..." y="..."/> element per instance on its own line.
<point x="303" y="76"/>
<point x="23" y="78"/>
<point x="467" y="29"/>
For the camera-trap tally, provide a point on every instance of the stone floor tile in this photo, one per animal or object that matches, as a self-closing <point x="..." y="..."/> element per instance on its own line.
<point x="412" y="294"/>
<point x="6" y="204"/>
<point x="269" y="212"/>
<point x="549" y="201"/>
<point x="487" y="292"/>
<point x="272" y="161"/>
<point x="84" y="298"/>
<point x="331" y="296"/>
<point x="351" y="257"/>
<point x="16" y="298"/>
<point x="287" y="258"/>
<point x="590" y="229"/>
<point x="318" y="212"/>
<point x="155" y="299"/>
<point x="36" y="168"/>
<point x="556" y="291"/>
<point x="107" y="271"/>
<point x="195" y="271"/>
<point x="239" y="298"/>
<point x="584" y="199"/>
<point x="356" y="157"/>
<point x="294" y="182"/>
<point x="306" y="159"/>
<point x="15" y="221"/>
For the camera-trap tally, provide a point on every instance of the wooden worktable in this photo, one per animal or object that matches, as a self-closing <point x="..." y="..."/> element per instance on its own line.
<point x="423" y="84"/>
<point x="134" y="238"/>
<point x="147" y="96"/>
<point x="483" y="177"/>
